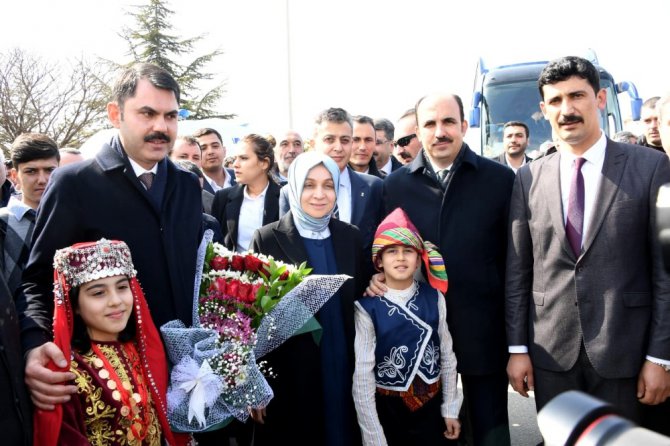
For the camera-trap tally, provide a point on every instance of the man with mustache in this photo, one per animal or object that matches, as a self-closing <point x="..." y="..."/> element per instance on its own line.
<point x="406" y="145"/>
<point x="515" y="142"/>
<point x="130" y="192"/>
<point x="649" y="116"/>
<point x="289" y="146"/>
<point x="587" y="296"/>
<point x="459" y="201"/>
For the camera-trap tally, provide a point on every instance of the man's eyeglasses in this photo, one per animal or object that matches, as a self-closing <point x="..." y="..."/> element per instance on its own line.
<point x="405" y="140"/>
<point x="379" y="142"/>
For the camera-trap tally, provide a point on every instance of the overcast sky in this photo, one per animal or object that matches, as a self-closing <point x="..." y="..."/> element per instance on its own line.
<point x="371" y="57"/>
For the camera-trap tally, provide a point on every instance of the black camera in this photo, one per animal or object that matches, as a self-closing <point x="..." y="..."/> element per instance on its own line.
<point x="575" y="418"/>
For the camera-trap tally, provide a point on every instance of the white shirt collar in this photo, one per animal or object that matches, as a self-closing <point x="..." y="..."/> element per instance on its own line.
<point x="139" y="170"/>
<point x="261" y="195"/>
<point x="387" y="167"/>
<point x="594" y="154"/>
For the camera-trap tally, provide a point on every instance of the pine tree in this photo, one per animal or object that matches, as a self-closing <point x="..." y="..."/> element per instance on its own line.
<point x="151" y="41"/>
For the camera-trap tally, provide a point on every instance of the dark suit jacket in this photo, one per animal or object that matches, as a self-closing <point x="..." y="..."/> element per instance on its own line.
<point x="469" y="225"/>
<point x="102" y="197"/>
<point x="502" y="159"/>
<point x="15" y="406"/>
<point x="207" y="201"/>
<point x="366" y="204"/>
<point x="395" y="164"/>
<point x="227" y="205"/>
<point x="208" y="187"/>
<point x="615" y="297"/>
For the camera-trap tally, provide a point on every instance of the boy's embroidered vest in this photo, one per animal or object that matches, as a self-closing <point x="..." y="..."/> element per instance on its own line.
<point x="407" y="339"/>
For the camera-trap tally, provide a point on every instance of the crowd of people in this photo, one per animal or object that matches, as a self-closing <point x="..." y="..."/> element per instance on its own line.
<point x="542" y="273"/>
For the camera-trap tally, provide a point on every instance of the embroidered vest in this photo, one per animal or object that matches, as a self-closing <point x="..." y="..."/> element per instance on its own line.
<point x="407" y="339"/>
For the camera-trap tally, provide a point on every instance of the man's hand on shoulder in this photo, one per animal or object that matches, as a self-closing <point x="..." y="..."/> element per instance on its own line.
<point x="376" y="286"/>
<point x="48" y="387"/>
<point x="520" y="373"/>
<point x="653" y="384"/>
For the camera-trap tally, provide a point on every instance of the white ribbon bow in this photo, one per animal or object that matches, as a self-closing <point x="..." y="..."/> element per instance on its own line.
<point x="202" y="383"/>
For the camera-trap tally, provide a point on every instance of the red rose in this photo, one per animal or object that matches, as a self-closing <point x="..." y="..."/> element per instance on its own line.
<point x="219" y="263"/>
<point x="238" y="263"/>
<point x="255" y="288"/>
<point x="232" y="287"/>
<point x="284" y="275"/>
<point x="243" y="292"/>
<point x="265" y="269"/>
<point x="220" y="285"/>
<point x="252" y="263"/>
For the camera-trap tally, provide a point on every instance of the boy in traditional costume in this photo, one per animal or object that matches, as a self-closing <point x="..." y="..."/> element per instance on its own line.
<point x="405" y="376"/>
<point x="102" y="322"/>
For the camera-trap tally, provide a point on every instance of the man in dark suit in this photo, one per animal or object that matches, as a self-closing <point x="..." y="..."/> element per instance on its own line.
<point x="129" y="192"/>
<point x="459" y="201"/>
<point x="359" y="199"/>
<point x="217" y="177"/>
<point x="363" y="147"/>
<point x="587" y="297"/>
<point x="515" y="142"/>
<point x="386" y="162"/>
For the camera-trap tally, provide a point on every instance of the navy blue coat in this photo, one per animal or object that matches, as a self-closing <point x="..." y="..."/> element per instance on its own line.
<point x="102" y="197"/>
<point x="469" y="225"/>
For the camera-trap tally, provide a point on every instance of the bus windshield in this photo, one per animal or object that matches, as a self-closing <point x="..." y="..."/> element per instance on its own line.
<point x="520" y="101"/>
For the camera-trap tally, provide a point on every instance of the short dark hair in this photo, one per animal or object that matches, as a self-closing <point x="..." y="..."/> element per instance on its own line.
<point x="126" y="84"/>
<point x="559" y="70"/>
<point x="33" y="146"/>
<point x="207" y="131"/>
<point x="385" y="126"/>
<point x="517" y="124"/>
<point x="456" y="97"/>
<point x="334" y="114"/>
<point x="362" y="119"/>
<point x="262" y="148"/>
<point x="80" y="339"/>
<point x="189" y="166"/>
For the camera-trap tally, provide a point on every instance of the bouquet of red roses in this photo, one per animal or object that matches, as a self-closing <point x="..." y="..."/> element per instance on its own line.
<point x="245" y="305"/>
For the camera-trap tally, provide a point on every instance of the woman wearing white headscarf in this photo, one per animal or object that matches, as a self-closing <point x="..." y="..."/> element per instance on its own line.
<point x="313" y="403"/>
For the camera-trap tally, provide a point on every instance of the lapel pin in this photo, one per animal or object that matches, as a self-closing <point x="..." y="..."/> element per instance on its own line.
<point x="362" y="194"/>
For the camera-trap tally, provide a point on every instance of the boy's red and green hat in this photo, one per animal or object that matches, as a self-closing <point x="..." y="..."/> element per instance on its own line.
<point x="398" y="229"/>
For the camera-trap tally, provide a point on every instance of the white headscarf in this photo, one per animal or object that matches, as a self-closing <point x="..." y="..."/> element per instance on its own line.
<point x="297" y="174"/>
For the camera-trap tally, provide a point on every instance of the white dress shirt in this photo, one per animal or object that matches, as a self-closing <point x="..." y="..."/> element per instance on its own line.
<point x="250" y="218"/>
<point x="388" y="167"/>
<point x="344" y="197"/>
<point x="364" y="379"/>
<point x="215" y="187"/>
<point x="523" y="162"/>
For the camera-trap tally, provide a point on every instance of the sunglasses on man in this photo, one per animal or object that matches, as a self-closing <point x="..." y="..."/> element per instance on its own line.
<point x="405" y="140"/>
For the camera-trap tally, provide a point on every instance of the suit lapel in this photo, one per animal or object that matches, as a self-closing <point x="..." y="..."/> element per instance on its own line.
<point x="343" y="252"/>
<point x="613" y="167"/>
<point x="551" y="192"/>
<point x="359" y="193"/>
<point x="289" y="240"/>
<point x="233" y="207"/>
<point x="271" y="211"/>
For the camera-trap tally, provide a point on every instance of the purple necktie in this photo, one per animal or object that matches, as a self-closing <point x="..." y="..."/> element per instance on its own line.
<point x="574" y="226"/>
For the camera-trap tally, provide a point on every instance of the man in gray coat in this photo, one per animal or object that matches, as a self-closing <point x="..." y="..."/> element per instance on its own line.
<point x="587" y="297"/>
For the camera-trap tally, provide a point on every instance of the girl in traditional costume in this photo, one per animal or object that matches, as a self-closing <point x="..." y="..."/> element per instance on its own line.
<point x="405" y="373"/>
<point x="102" y="322"/>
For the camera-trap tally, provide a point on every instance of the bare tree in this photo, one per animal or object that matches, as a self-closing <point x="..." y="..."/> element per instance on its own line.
<point x="63" y="100"/>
